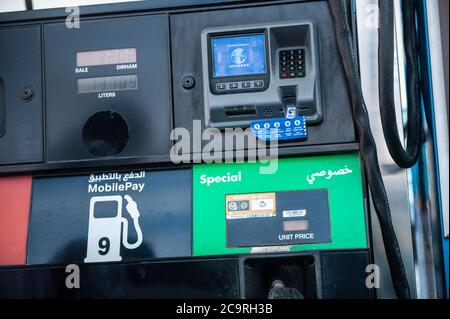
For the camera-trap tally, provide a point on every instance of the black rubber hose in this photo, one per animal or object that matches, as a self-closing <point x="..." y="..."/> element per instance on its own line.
<point x="403" y="158"/>
<point x="368" y="150"/>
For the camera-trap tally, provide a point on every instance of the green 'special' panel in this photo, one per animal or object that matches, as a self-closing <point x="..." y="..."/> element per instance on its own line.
<point x="348" y="230"/>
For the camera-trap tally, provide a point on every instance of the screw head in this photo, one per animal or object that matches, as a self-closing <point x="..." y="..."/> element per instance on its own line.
<point x="188" y="82"/>
<point x="27" y="94"/>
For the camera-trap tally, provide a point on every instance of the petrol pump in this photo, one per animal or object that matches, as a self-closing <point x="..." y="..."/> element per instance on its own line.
<point x="220" y="146"/>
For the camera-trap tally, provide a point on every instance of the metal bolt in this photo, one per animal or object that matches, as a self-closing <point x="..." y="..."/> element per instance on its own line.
<point x="27" y="94"/>
<point x="188" y="82"/>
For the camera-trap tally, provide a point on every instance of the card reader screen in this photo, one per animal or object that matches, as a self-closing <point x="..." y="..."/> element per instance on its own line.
<point x="238" y="55"/>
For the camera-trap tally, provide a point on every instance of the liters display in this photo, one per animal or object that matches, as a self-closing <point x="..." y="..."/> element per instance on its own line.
<point x="107" y="84"/>
<point x="239" y="55"/>
<point x="105" y="57"/>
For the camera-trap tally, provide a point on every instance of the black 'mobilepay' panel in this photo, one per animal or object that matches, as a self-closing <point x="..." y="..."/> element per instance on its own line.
<point x="21" y="123"/>
<point x="336" y="126"/>
<point x="108" y="88"/>
<point x="97" y="218"/>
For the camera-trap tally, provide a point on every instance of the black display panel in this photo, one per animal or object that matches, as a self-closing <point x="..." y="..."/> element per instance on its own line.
<point x="337" y="124"/>
<point x="108" y="97"/>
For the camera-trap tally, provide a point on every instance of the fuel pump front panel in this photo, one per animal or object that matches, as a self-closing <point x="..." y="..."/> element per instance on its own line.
<point x="112" y="93"/>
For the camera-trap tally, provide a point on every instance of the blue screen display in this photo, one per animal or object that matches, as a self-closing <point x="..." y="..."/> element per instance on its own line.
<point x="239" y="55"/>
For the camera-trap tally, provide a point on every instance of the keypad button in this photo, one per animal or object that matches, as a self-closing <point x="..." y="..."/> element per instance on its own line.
<point x="258" y="83"/>
<point x="234" y="85"/>
<point x="246" y="84"/>
<point x="221" y="86"/>
<point x="292" y="63"/>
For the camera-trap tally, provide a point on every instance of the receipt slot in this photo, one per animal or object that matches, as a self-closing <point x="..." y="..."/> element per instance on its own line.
<point x="105" y="228"/>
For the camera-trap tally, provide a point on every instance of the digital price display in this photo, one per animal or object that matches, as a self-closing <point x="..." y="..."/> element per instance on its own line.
<point x="238" y="55"/>
<point x="107" y="84"/>
<point x="105" y="57"/>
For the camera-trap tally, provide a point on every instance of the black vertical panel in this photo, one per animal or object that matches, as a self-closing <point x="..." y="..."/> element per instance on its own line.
<point x="344" y="275"/>
<point x="21" y="128"/>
